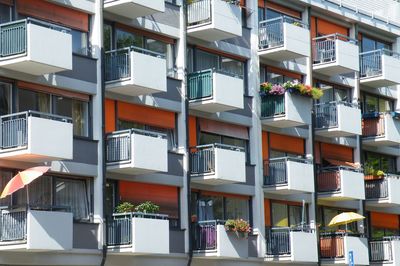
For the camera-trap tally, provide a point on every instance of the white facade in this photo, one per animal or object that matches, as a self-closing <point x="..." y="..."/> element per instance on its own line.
<point x="134" y="8"/>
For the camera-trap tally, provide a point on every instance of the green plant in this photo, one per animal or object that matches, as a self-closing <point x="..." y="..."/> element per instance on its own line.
<point x="297" y="23"/>
<point x="379" y="173"/>
<point x="147" y="207"/>
<point x="125" y="207"/>
<point x="238" y="225"/>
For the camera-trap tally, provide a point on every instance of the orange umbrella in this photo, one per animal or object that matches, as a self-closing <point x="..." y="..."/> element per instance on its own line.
<point x="22" y="179"/>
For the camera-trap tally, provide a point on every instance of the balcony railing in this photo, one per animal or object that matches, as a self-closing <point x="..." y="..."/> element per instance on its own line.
<point x="278" y="239"/>
<point x="205" y="235"/>
<point x="202" y="158"/>
<point x="13" y="36"/>
<point x="119" y="227"/>
<point x="381" y="250"/>
<point x="272" y="105"/>
<point x="332" y="246"/>
<point x="270" y="32"/>
<point x="119" y="144"/>
<point x="371" y="62"/>
<point x="275" y="170"/>
<point x="118" y="62"/>
<point x="324" y="47"/>
<point x="376" y="189"/>
<point x="327" y="114"/>
<point x="12" y="225"/>
<point x="200" y="11"/>
<point x="14" y="128"/>
<point x="329" y="179"/>
<point x="373" y="124"/>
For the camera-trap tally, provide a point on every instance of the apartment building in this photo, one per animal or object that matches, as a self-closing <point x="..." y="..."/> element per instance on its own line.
<point x="280" y="113"/>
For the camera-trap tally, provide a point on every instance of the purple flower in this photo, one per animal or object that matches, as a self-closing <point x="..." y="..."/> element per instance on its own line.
<point x="277" y="90"/>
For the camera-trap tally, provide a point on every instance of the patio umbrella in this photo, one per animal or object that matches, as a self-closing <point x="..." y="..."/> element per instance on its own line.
<point x="22" y="179"/>
<point x="345" y="218"/>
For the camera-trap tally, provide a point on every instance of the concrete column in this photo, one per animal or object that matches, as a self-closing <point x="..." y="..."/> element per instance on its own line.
<point x="396" y="48"/>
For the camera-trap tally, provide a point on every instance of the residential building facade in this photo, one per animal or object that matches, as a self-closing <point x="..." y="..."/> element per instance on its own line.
<point x="281" y="113"/>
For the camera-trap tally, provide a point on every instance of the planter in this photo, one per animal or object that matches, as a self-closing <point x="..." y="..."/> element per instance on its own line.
<point x="244" y="235"/>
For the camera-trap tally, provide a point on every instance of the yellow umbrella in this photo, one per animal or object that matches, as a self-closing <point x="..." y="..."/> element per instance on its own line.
<point x="345" y="218"/>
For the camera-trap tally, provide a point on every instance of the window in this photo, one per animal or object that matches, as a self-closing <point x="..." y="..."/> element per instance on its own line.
<point x="333" y="93"/>
<point x="274" y="78"/>
<point x="288" y="215"/>
<point x="379" y="233"/>
<point x="107" y="30"/>
<point x="5" y="13"/>
<point x="204" y="61"/>
<point x="46" y="191"/>
<point x="370" y="44"/>
<point x="374" y="103"/>
<point x="280" y="154"/>
<point x="326" y="214"/>
<point x="77" y="110"/>
<point x="382" y="162"/>
<point x="80" y="43"/>
<point x="127" y="39"/>
<point x="32" y="100"/>
<point x="208" y="138"/>
<point x="171" y="136"/>
<point x="5" y="98"/>
<point x="237" y="209"/>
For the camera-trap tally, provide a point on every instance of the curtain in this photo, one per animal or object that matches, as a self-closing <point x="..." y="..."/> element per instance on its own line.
<point x="73" y="194"/>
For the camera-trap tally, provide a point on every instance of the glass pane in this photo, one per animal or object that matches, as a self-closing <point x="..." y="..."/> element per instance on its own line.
<point x="80" y="118"/>
<point x="79" y="42"/>
<point x="123" y="124"/>
<point x="5" y="98"/>
<point x="367" y="44"/>
<point x="273" y="14"/>
<point x="237" y="209"/>
<point x="234" y="142"/>
<point x="5" y="13"/>
<point x="328" y="93"/>
<point x="110" y="198"/>
<point x="384" y="105"/>
<point x="232" y="66"/>
<point x="371" y="104"/>
<point x="127" y="39"/>
<point x="107" y="37"/>
<point x="206" y="138"/>
<point x="276" y="154"/>
<point x="341" y="95"/>
<point x="261" y="14"/>
<point x="210" y="208"/>
<point x="5" y="176"/>
<point x="295" y="215"/>
<point x="275" y="78"/>
<point x="279" y="215"/>
<point x="156" y="46"/>
<point x="72" y="193"/>
<point x="35" y="101"/>
<point x="206" y="61"/>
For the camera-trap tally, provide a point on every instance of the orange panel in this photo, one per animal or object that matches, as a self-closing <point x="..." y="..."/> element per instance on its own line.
<point x="385" y="220"/>
<point x="192" y="131"/>
<point x="286" y="143"/>
<point x="58" y="14"/>
<point x="337" y="152"/>
<point x="267" y="212"/>
<point x="286" y="73"/>
<point x="146" y="115"/>
<point x="313" y="27"/>
<point x="164" y="196"/>
<point x="224" y="129"/>
<point x="265" y="150"/>
<point x="261" y="3"/>
<point x="243" y="3"/>
<point x="110" y="115"/>
<point x="326" y="27"/>
<point x="317" y="151"/>
<point x="283" y="9"/>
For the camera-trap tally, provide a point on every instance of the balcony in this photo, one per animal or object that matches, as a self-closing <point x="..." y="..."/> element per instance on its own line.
<point x="283" y="38"/>
<point x="288" y="175"/>
<point x="127" y="71"/>
<point x="214" y="20"/>
<point x="134" y="8"/>
<point x="217" y="164"/>
<point x="383" y="192"/>
<point x="214" y="91"/>
<point x="337" y="119"/>
<point x="35" y="137"/>
<point x="335" y="54"/>
<point x="288" y="110"/>
<point x="379" y="68"/>
<point x="35" y="47"/>
<point x="385" y="251"/>
<point x="139" y="233"/>
<point x="335" y="249"/>
<point x="341" y="183"/>
<point x="136" y="151"/>
<point x="297" y="245"/>
<point x="212" y="240"/>
<point x="35" y="229"/>
<point x="381" y="129"/>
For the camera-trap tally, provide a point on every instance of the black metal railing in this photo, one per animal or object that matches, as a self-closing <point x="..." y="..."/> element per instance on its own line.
<point x="275" y="170"/>
<point x="205" y="235"/>
<point x="376" y="189"/>
<point x="327" y="115"/>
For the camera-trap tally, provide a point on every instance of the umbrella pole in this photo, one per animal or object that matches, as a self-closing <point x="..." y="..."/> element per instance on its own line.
<point x="27" y="196"/>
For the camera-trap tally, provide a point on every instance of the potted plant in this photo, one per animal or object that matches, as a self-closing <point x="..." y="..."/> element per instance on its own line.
<point x="294" y="86"/>
<point x="125" y="207"/>
<point x="147" y="207"/>
<point x="239" y="226"/>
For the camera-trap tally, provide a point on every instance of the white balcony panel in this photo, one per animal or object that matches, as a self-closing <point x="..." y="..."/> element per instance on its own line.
<point x="47" y="51"/>
<point x="229" y="167"/>
<point x="150" y="236"/>
<point x="140" y="154"/>
<point x="385" y="252"/>
<point x="359" y="246"/>
<point x="214" y="20"/>
<point x="297" y="112"/>
<point x="347" y="122"/>
<point x="296" y="44"/>
<point x="134" y="8"/>
<point x="303" y="246"/>
<point x="227" y="94"/>
<point x="388" y="132"/>
<point x="46" y="140"/>
<point x="351" y="187"/>
<point x="389" y="75"/>
<point x="345" y="60"/>
<point x="146" y="74"/>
